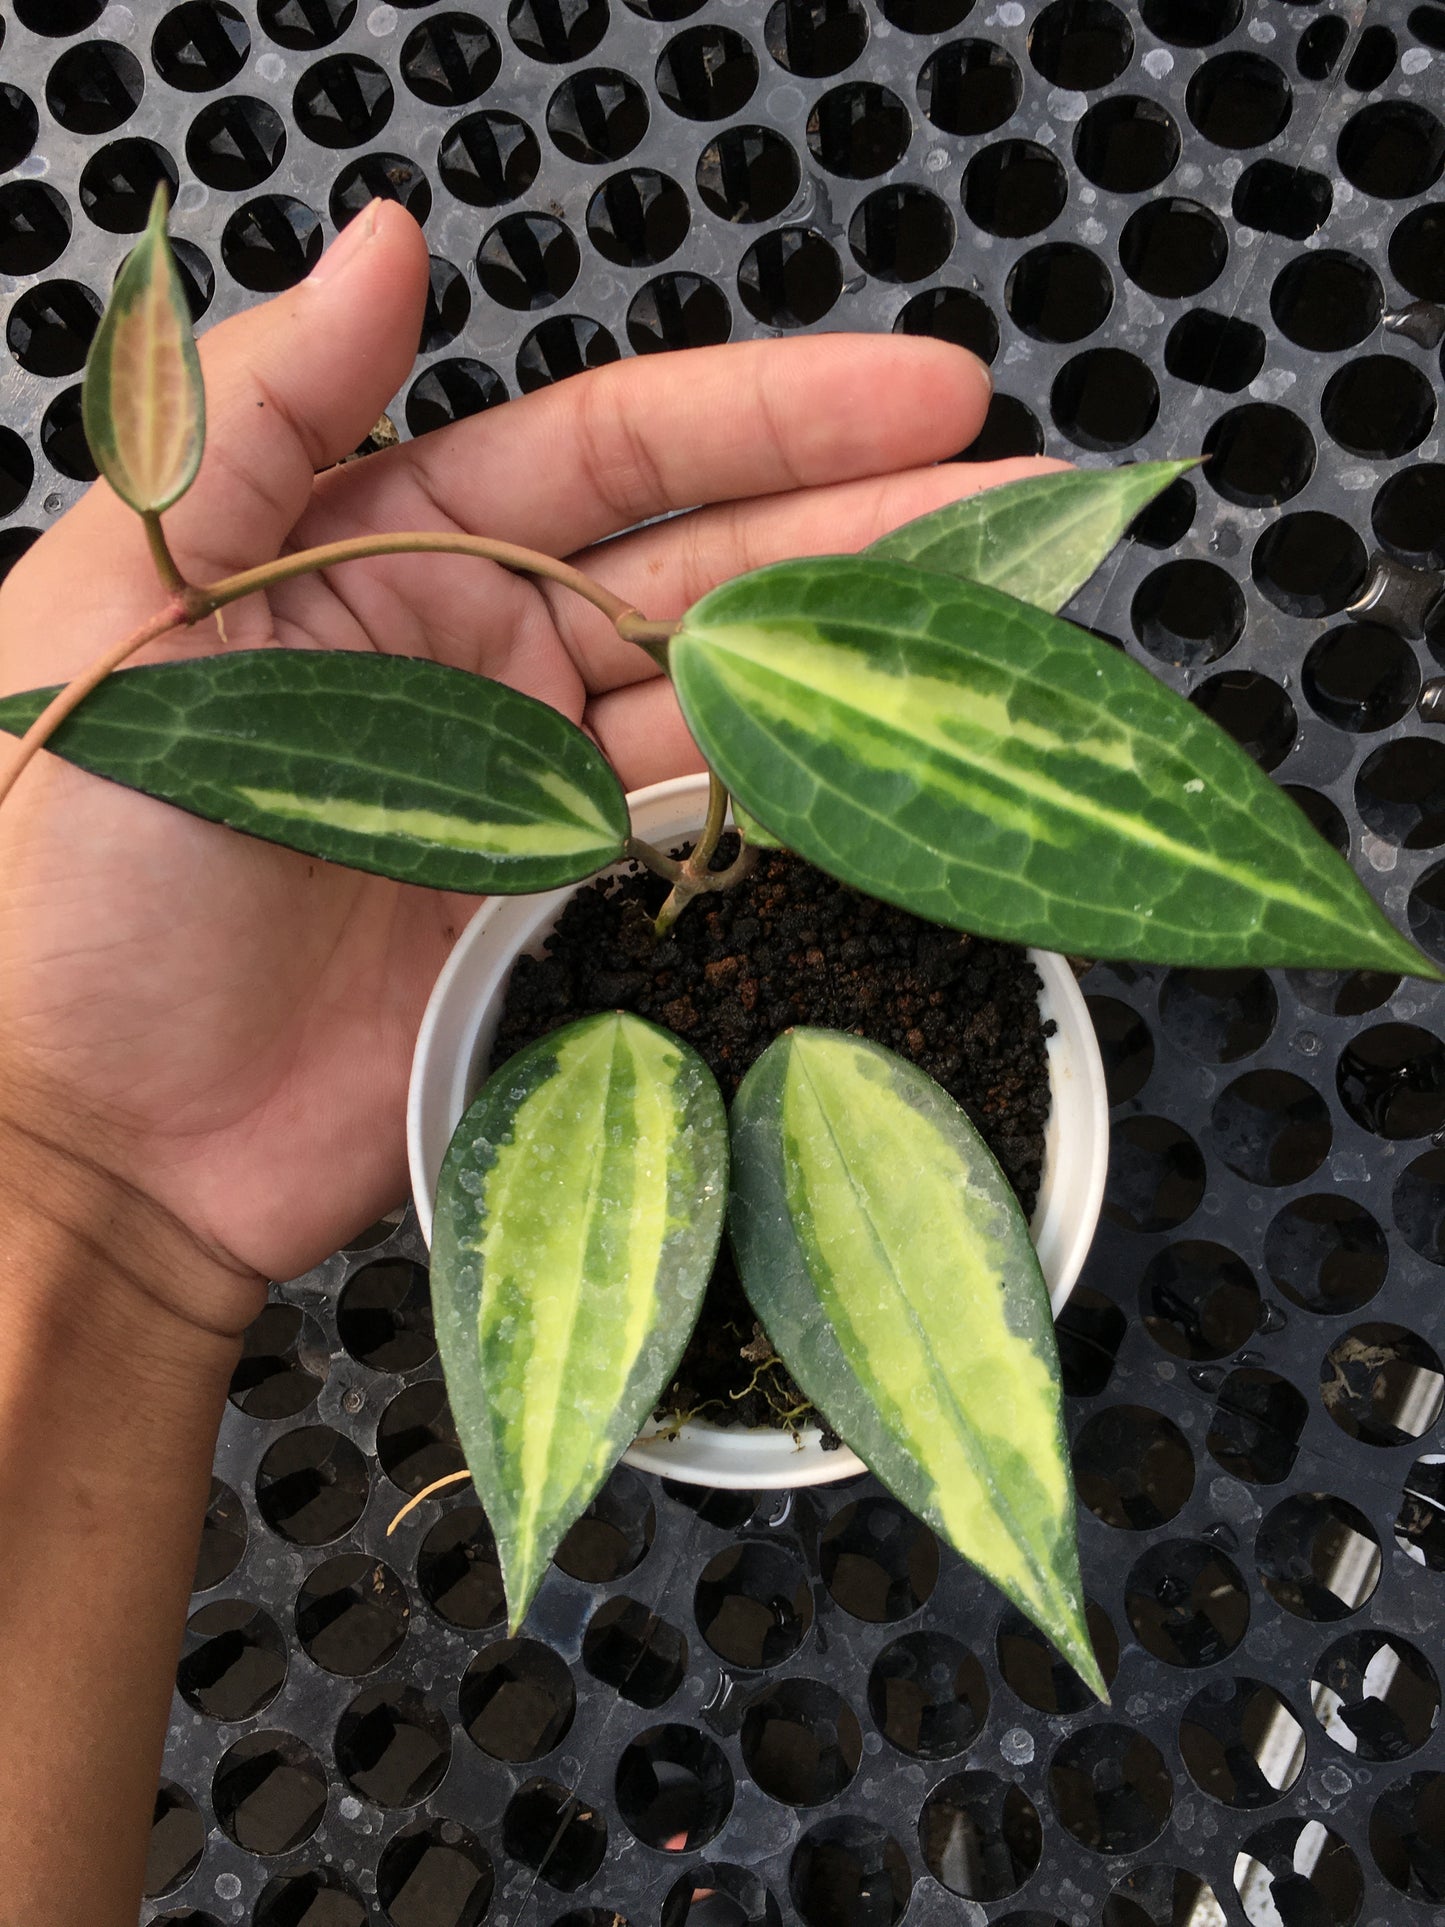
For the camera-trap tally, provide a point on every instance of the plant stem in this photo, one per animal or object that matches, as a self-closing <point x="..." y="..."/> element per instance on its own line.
<point x="693" y="878"/>
<point x="172" y="581"/>
<point x="712" y="829"/>
<point x="75" y="692"/>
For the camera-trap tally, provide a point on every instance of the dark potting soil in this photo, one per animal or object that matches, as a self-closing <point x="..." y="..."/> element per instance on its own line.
<point x="790" y="946"/>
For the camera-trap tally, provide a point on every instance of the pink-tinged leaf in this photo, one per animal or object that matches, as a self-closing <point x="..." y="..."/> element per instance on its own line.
<point x="144" y="405"/>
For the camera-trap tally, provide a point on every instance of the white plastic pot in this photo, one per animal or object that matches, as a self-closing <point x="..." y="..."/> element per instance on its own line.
<point x="455" y="1043"/>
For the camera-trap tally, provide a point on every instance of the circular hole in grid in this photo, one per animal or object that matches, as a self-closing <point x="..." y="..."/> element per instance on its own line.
<point x="901" y="233"/>
<point x="1277" y="199"/>
<point x="597" y="116"/>
<point x="815" y="39"/>
<point x="342" y="101"/>
<point x="1259" y="455"/>
<point x="1127" y="144"/>
<point x="1326" y="1254"/>
<point x="62" y="437"/>
<point x="789" y="278"/>
<point x="1382" y="1384"/>
<point x="58" y="17"/>
<point x="1408" y="515"/>
<point x="1161" y="1897"/>
<point x="118" y="183"/>
<point x="666" y="10"/>
<point x="1391" y="1080"/>
<point x="562" y="346"/>
<point x="319" y="1897"/>
<point x="557" y="30"/>
<point x="223" y="1538"/>
<point x="1188" y="612"/>
<point x="858" y="130"/>
<point x="1255" y="711"/>
<point x="1326" y="300"/>
<point x="17" y="470"/>
<point x="1309" y="563"/>
<point x="305" y="25"/>
<point x="849" y="1872"/>
<point x="1400" y="793"/>
<point x="591" y="1916"/>
<point x="1199" y="1300"/>
<point x="1036" y="1671"/>
<point x="1104" y="398"/>
<point x="951" y="314"/>
<point x="384" y="1318"/>
<point x="385" y="177"/>
<point x="1393" y="149"/>
<point x="1318" y="1556"/>
<point x="269" y="1792"/>
<point x="283" y="1364"/>
<point x="91" y="89"/>
<point x="1133" y="1467"/>
<point x="177" y="1841"/>
<point x="488" y="159"/>
<point x="311" y="1485"/>
<point x="613" y="1535"/>
<point x="1380" y="406"/>
<point x="1373" y="60"/>
<point x="1156" y="1174"/>
<point x="1014" y="188"/>
<point x="1173" y="247"/>
<point x="1417" y="253"/>
<point x="1427" y="25"/>
<point x="748" y="174"/>
<point x="392" y="1746"/>
<point x="459" y="1573"/>
<point x="754" y="1604"/>
<point x="416" y="1438"/>
<point x="980" y="1836"/>
<point x="1111" y="1788"/>
<point x="1361" y="677"/>
<point x="1375" y="1695"/>
<point x="559" y="1835"/>
<point x="449" y="391"/>
<point x="1125" y="1044"/>
<point x="928" y="1695"/>
<point x="1320" y="46"/>
<point x="717" y="1895"/>
<point x="1420" y="1522"/>
<point x="13" y="544"/>
<point x="271" y="242"/>
<point x="1187" y="1602"/>
<point x="34" y="227"/>
<point x="1058" y="292"/>
<point x="636" y="219"/>
<point x="678" y="311"/>
<point x="629" y="1647"/>
<point x="1419" y="1206"/>
<point x="1009" y="428"/>
<point x="1167" y="519"/>
<point x="450" y="59"/>
<point x="50" y="327"/>
<point x="434" y="1874"/>
<point x="200" y="45"/>
<point x="878" y="1562"/>
<point x="517" y="1700"/>
<point x="1080" y="44"/>
<point x="1218" y="1016"/>
<point x="1343" y="993"/>
<point x="352" y="1614"/>
<point x="674" y="1787"/>
<point x="707" y="73"/>
<point x="1241" y="1743"/>
<point x="1255" y="1428"/>
<point x="1238" y="100"/>
<point x="967" y="88"/>
<point x="801" y="1742"/>
<point x="1298" y="1870"/>
<point x="233" y="1660"/>
<point x="235" y="143"/>
<point x="1407" y="1824"/>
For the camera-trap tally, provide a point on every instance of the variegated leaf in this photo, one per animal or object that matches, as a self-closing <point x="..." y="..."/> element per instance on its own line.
<point x="1038" y="539"/>
<point x="891" y="1267"/>
<point x="950" y="749"/>
<point x="386" y="763"/>
<point x="143" y="403"/>
<point x="578" y="1215"/>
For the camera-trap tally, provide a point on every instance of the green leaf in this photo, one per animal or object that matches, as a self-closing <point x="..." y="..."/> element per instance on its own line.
<point x="1038" y="539"/>
<point x="578" y="1216"/>
<point x="751" y="831"/>
<point x="950" y="749"/>
<point x="143" y="403"/>
<point x="385" y="763"/>
<point x="891" y="1267"/>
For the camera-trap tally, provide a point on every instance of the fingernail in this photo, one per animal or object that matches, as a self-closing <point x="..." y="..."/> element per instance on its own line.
<point x="347" y="245"/>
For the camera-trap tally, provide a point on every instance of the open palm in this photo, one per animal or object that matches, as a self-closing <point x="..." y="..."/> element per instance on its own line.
<point x="225" y="1026"/>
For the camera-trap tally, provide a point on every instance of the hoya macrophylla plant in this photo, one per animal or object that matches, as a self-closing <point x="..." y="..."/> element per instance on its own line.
<point x="918" y="723"/>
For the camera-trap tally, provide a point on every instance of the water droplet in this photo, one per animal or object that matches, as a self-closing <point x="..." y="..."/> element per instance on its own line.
<point x="1208" y="1378"/>
<point x="1272" y="1319"/>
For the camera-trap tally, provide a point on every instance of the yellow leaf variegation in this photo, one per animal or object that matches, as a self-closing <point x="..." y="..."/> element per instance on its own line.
<point x="143" y="402"/>
<point x="888" y="1260"/>
<point x="578" y="1216"/>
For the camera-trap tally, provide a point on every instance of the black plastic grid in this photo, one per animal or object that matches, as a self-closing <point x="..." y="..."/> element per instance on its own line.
<point x="1201" y="223"/>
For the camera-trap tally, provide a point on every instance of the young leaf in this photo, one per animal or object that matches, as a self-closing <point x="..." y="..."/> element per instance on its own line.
<point x="143" y="404"/>
<point x="385" y="763"/>
<point x="578" y="1216"/>
<point x="1038" y="539"/>
<point x="950" y="749"/>
<point x="891" y="1267"/>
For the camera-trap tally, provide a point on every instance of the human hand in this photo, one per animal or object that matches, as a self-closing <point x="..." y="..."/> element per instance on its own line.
<point x="222" y="1028"/>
